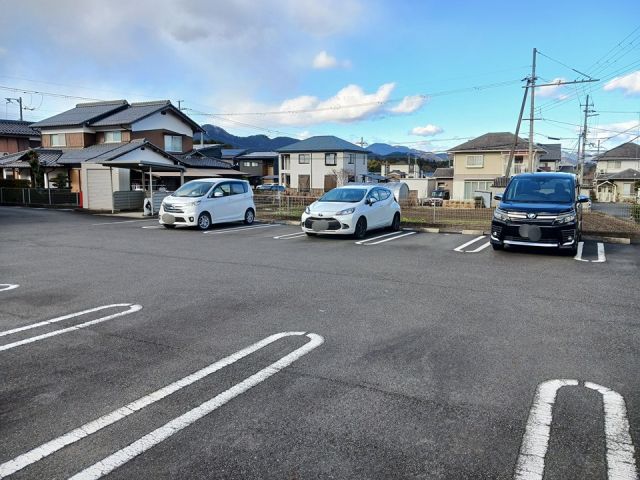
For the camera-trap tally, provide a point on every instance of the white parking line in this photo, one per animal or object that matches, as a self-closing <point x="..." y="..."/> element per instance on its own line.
<point x="619" y="446"/>
<point x="152" y="226"/>
<point x="480" y="248"/>
<point x="290" y="235"/>
<point x="240" y="229"/>
<point x="8" y="286"/>
<point x="119" y="458"/>
<point x="132" y="309"/>
<point x="601" y="256"/>
<point x="98" y="424"/>
<point x="124" y="221"/>
<point x="369" y="242"/>
<point x="459" y="249"/>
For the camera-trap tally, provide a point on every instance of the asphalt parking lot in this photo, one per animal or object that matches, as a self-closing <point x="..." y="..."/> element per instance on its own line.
<point x="131" y="351"/>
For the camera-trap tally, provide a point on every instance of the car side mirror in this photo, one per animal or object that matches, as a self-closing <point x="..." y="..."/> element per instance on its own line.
<point x="498" y="196"/>
<point x="371" y="201"/>
<point x="218" y="194"/>
<point x="583" y="199"/>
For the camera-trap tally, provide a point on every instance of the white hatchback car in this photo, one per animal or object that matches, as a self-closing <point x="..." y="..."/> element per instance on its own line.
<point x="207" y="201"/>
<point x="352" y="210"/>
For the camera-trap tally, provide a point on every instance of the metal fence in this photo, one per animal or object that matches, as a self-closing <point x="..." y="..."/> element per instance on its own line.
<point x="39" y="197"/>
<point x="623" y="219"/>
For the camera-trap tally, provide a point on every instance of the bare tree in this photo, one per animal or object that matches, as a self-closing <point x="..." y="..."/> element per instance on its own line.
<point x="342" y="176"/>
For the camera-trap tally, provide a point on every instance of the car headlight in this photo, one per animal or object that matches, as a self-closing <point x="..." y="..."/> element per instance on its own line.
<point x="307" y="210"/>
<point x="346" y="211"/>
<point x="194" y="203"/>
<point x="500" y="215"/>
<point x="567" y="218"/>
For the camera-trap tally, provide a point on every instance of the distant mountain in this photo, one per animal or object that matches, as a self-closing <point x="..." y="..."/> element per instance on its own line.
<point x="253" y="142"/>
<point x="569" y="157"/>
<point x="386" y="150"/>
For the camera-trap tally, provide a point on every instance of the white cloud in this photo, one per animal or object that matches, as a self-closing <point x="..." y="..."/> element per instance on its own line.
<point x="602" y="132"/>
<point x="409" y="104"/>
<point x="426" y="131"/>
<point x="303" y="135"/>
<point x="325" y="61"/>
<point x="552" y="91"/>
<point x="629" y="83"/>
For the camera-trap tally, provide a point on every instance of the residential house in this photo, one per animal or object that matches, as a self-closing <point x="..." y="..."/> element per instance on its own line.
<point x="408" y="168"/>
<point x="16" y="135"/>
<point x="442" y="179"/>
<point x="551" y="158"/>
<point x="618" y="174"/>
<point x="321" y="163"/>
<point x="114" y="146"/>
<point x="261" y="166"/>
<point x="478" y="162"/>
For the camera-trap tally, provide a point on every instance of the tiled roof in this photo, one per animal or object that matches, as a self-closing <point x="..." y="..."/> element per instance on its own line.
<point x="259" y="155"/>
<point x="554" y="152"/>
<point x="82" y="114"/>
<point x="443" y="173"/>
<point x="138" y="111"/>
<point x="196" y="160"/>
<point x="628" y="174"/>
<point x="232" y="152"/>
<point x="628" y="151"/>
<point x="325" y="143"/>
<point x="492" y="142"/>
<point x="16" y="128"/>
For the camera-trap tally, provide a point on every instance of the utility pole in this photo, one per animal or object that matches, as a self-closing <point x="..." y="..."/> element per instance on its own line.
<point x="362" y="144"/>
<point x="507" y="173"/>
<point x="587" y="113"/>
<point x="531" y="120"/>
<point x="19" y="100"/>
<point x="179" y="104"/>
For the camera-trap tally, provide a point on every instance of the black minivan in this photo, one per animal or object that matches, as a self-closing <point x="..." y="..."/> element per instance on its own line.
<point x="541" y="209"/>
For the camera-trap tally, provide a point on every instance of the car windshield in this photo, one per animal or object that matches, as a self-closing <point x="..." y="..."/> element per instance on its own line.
<point x="438" y="193"/>
<point x="193" y="189"/>
<point x="539" y="190"/>
<point x="348" y="195"/>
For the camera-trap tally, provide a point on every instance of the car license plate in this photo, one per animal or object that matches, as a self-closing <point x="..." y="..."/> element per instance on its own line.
<point x="319" y="225"/>
<point x="169" y="219"/>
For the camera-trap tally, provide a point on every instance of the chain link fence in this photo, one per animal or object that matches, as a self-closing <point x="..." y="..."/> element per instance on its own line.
<point x="623" y="219"/>
<point x="47" y="197"/>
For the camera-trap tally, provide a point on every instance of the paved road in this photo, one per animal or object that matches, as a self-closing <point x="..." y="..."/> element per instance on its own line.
<point x="405" y="357"/>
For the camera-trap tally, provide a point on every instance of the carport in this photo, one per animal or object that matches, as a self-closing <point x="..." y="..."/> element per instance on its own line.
<point x="145" y="166"/>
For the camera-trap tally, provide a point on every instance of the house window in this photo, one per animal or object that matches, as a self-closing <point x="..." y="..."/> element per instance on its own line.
<point x="286" y="162"/>
<point x="626" y="188"/>
<point x="173" y="143"/>
<point x="475" y="161"/>
<point x="351" y="158"/>
<point x="330" y="159"/>
<point x="616" y="164"/>
<point x="250" y="164"/>
<point x="58" y="140"/>
<point x="472" y="186"/>
<point x="304" y="158"/>
<point x="113" y="137"/>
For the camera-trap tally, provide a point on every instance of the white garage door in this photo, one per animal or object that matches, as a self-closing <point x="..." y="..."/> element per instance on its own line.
<point x="98" y="190"/>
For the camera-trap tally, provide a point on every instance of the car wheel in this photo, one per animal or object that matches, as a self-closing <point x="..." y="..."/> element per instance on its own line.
<point x="170" y="227"/>
<point x="361" y="228"/>
<point x="204" y="221"/>
<point x="395" y="223"/>
<point x="497" y="246"/>
<point x="249" y="216"/>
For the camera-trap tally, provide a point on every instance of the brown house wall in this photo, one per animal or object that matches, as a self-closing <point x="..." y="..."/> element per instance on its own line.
<point x="72" y="140"/>
<point x="156" y="137"/>
<point x="13" y="144"/>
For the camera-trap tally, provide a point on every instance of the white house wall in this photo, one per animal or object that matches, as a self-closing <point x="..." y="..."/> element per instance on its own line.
<point x="146" y="155"/>
<point x="158" y="121"/>
<point x="317" y="168"/>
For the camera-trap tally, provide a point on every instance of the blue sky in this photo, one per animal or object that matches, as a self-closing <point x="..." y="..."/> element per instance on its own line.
<point x="420" y="73"/>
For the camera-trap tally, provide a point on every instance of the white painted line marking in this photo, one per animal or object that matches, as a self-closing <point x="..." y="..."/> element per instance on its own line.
<point x="290" y="235"/>
<point x="239" y="229"/>
<point x="119" y="458"/>
<point x="98" y="424"/>
<point x="362" y="242"/>
<point x="480" y="248"/>
<point x="459" y="249"/>
<point x="601" y="256"/>
<point x="620" y="450"/>
<point x="153" y="226"/>
<point x="125" y="221"/>
<point x="4" y="287"/>
<point x="388" y="239"/>
<point x="132" y="309"/>
<point x="579" y="253"/>
<point x="621" y="463"/>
